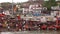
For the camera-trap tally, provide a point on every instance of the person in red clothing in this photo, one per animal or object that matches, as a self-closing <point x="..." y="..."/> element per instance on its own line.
<point x="1" y="15"/>
<point x="57" y="22"/>
<point x="44" y="26"/>
<point x="19" y="26"/>
<point x="50" y="27"/>
<point x="18" y="16"/>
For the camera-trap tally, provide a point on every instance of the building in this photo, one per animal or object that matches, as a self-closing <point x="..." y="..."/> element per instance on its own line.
<point x="56" y="9"/>
<point x="31" y="2"/>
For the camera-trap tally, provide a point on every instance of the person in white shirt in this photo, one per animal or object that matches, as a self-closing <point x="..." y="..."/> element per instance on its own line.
<point x="54" y="19"/>
<point x="43" y="20"/>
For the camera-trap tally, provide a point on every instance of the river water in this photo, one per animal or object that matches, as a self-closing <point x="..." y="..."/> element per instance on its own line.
<point x="32" y="32"/>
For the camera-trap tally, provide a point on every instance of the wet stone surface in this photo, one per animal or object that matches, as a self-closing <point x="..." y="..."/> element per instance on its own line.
<point x="32" y="32"/>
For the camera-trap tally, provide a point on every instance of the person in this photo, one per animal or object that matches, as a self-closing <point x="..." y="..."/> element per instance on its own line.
<point x="18" y="17"/>
<point x="54" y="20"/>
<point x="8" y="27"/>
<point x="44" y="27"/>
<point x="0" y="25"/>
<point x="43" y="20"/>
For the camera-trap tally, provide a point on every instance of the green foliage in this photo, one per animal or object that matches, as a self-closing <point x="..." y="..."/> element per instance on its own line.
<point x="49" y="3"/>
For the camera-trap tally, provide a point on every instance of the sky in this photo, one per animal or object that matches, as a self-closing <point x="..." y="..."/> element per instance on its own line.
<point x="13" y="1"/>
<point x="56" y="0"/>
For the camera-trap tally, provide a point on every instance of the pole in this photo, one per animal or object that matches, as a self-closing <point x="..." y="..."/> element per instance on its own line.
<point x="12" y="7"/>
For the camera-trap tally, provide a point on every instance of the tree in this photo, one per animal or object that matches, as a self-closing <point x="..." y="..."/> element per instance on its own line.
<point x="49" y="4"/>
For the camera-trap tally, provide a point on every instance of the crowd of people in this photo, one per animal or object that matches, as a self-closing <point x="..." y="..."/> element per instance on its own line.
<point x="17" y="24"/>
